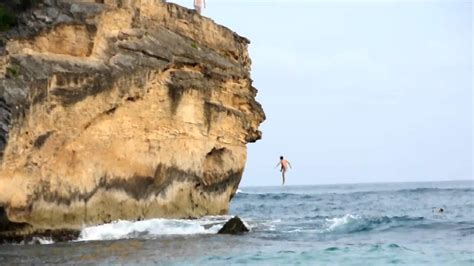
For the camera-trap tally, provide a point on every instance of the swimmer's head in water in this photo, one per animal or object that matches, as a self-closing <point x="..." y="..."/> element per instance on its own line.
<point x="281" y="157"/>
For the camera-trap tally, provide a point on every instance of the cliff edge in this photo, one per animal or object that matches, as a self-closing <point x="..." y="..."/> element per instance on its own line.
<point x="128" y="109"/>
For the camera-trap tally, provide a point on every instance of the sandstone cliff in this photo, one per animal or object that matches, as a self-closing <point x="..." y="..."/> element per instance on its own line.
<point x="120" y="110"/>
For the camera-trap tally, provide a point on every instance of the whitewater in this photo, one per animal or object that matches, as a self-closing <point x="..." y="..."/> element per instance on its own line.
<point x="357" y="224"/>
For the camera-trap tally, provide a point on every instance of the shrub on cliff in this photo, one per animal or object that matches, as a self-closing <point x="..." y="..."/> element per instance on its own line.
<point x="7" y="20"/>
<point x="9" y="9"/>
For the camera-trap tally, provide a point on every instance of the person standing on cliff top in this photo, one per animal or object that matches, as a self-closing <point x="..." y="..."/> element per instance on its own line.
<point x="284" y="167"/>
<point x="198" y="5"/>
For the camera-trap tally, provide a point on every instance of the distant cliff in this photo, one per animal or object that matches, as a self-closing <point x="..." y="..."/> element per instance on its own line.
<point x="120" y="110"/>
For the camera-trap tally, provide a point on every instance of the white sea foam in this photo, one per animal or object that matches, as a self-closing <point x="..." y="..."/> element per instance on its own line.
<point x="239" y="191"/>
<point x="152" y="228"/>
<point x="267" y="225"/>
<point x="40" y="240"/>
<point x="338" y="223"/>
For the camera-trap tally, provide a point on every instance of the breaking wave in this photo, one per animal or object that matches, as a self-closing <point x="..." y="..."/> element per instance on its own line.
<point x="354" y="223"/>
<point x="152" y="228"/>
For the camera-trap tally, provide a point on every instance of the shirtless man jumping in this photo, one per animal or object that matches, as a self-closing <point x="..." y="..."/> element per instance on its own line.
<point x="284" y="166"/>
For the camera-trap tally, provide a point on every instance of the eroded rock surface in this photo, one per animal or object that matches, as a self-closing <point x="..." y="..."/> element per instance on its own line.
<point x="120" y="111"/>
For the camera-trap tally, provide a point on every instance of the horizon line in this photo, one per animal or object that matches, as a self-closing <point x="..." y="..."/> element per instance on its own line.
<point x="364" y="183"/>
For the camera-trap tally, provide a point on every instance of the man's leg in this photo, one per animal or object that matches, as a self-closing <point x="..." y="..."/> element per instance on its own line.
<point x="198" y="9"/>
<point x="283" y="176"/>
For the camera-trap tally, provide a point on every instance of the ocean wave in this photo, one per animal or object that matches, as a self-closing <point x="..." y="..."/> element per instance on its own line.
<point x="413" y="190"/>
<point x="350" y="223"/>
<point x="152" y="228"/>
<point x="427" y="190"/>
<point x="319" y="195"/>
<point x="268" y="225"/>
<point x="275" y="196"/>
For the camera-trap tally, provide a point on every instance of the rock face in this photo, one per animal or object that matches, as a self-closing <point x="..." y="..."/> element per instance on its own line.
<point x="120" y="110"/>
<point x="234" y="226"/>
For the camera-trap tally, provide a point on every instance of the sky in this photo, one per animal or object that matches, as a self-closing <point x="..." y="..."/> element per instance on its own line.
<point x="358" y="91"/>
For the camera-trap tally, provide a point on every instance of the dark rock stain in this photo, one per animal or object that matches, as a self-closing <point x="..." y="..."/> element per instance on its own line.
<point x="38" y="91"/>
<point x="6" y="225"/>
<point x="211" y="108"/>
<point x="111" y="110"/>
<point x="141" y="187"/>
<point x="5" y="118"/>
<point x="175" y="93"/>
<point x="207" y="115"/>
<point x="40" y="140"/>
<point x="69" y="94"/>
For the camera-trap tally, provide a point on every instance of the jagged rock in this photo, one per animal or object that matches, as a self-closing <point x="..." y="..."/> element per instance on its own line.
<point x="234" y="226"/>
<point x="129" y="112"/>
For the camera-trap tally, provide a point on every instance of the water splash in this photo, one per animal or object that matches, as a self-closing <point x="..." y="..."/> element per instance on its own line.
<point x="152" y="228"/>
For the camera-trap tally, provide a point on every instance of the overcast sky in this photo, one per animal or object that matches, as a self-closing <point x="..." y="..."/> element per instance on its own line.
<point x="358" y="91"/>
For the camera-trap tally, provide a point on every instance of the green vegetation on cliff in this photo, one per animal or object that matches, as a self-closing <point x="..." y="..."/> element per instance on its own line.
<point x="6" y="19"/>
<point x="9" y="10"/>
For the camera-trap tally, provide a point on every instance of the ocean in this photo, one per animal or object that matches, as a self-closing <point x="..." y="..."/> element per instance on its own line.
<point x="356" y="224"/>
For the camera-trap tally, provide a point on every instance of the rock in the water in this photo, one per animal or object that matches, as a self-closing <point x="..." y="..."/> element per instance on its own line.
<point x="234" y="226"/>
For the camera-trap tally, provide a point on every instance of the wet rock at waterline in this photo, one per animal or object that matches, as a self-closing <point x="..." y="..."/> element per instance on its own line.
<point x="234" y="226"/>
